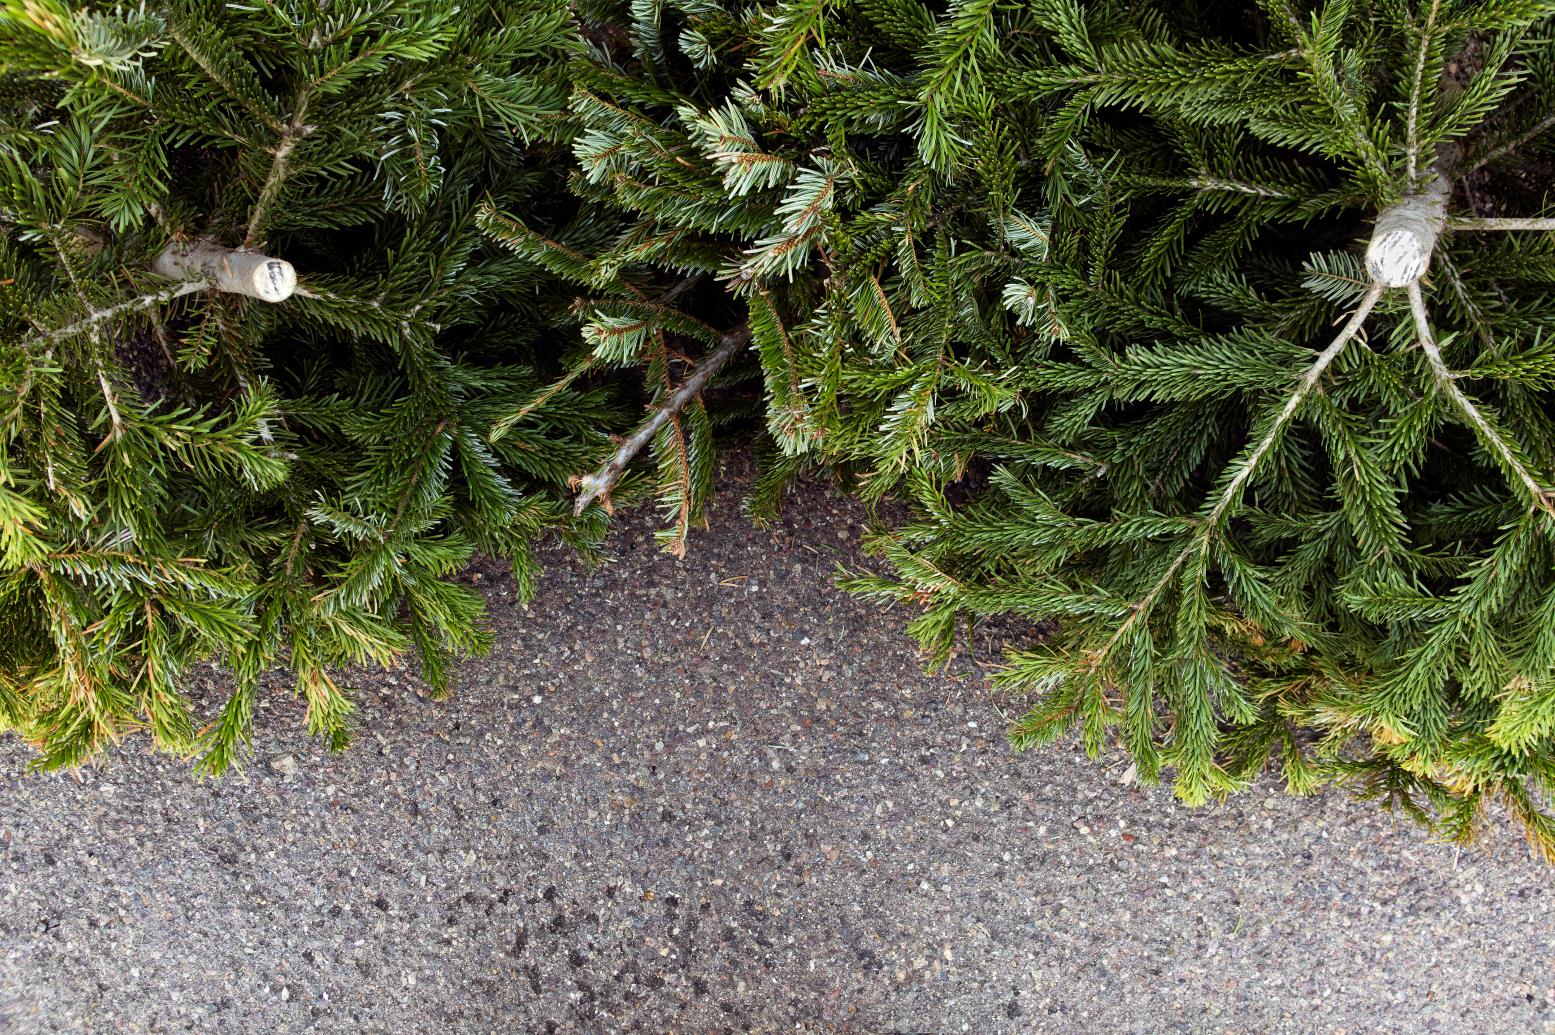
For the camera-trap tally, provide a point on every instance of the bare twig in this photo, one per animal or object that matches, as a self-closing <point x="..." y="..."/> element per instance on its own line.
<point x="507" y="423"/>
<point x="1309" y="380"/>
<point x="597" y="486"/>
<point x="1542" y="126"/>
<point x="676" y="290"/>
<point x="111" y="398"/>
<point x="1206" y="182"/>
<point x="272" y="187"/>
<point x="291" y="134"/>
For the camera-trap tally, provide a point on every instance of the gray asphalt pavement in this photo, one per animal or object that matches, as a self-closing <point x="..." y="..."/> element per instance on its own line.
<point x="717" y="795"/>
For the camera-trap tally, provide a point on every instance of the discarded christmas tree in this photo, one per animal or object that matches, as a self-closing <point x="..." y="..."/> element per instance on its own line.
<point x="253" y="344"/>
<point x="1282" y="460"/>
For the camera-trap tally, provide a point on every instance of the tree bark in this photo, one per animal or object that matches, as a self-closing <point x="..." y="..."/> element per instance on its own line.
<point x="228" y="269"/>
<point x="1405" y="236"/>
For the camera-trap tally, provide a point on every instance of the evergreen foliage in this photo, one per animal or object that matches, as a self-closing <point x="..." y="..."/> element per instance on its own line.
<point x="188" y="473"/>
<point x="1087" y="283"/>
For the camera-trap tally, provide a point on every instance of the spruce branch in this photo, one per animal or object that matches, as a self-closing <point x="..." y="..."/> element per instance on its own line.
<point x="1539" y="496"/>
<point x="597" y="486"/>
<point x="1232" y="493"/>
<point x="1332" y="92"/>
<point x="236" y="81"/>
<point x="97" y="317"/>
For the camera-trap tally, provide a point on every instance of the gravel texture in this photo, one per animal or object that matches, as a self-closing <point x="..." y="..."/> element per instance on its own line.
<point x="717" y="795"/>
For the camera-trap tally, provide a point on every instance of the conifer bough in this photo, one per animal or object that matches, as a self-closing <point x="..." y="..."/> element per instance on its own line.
<point x="1253" y="539"/>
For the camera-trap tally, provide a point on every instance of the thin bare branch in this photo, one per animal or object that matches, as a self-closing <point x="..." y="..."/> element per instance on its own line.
<point x="291" y="135"/>
<point x="1540" y="127"/>
<point x="111" y="398"/>
<point x="1412" y="122"/>
<point x="597" y="486"/>
<point x="507" y="423"/>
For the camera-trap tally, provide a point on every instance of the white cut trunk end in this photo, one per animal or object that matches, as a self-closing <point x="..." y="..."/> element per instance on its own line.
<point x="1405" y="236"/>
<point x="228" y="269"/>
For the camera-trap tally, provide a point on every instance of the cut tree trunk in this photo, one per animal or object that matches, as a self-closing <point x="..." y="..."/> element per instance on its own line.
<point x="228" y="269"/>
